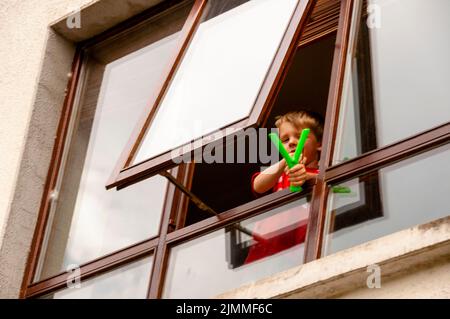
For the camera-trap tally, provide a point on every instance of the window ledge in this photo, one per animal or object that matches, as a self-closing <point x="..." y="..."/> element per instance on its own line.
<point x="100" y="15"/>
<point x="344" y="271"/>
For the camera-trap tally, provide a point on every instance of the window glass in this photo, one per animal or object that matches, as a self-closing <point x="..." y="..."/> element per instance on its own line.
<point x="221" y="73"/>
<point x="241" y="253"/>
<point x="86" y="221"/>
<point x="130" y="281"/>
<point x="412" y="192"/>
<point x="397" y="74"/>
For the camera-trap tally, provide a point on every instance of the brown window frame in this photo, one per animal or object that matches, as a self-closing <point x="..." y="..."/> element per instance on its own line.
<point x="29" y="288"/>
<point x="366" y="162"/>
<point x="127" y="173"/>
<point x="318" y="27"/>
<point x="160" y="246"/>
<point x="329" y="174"/>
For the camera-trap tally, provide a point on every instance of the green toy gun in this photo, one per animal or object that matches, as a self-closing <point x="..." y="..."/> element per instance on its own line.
<point x="291" y="161"/>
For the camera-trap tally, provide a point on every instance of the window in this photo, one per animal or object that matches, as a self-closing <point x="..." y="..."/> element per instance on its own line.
<point x="81" y="218"/>
<point x="228" y="267"/>
<point x="394" y="89"/>
<point x="391" y="106"/>
<point x="239" y="47"/>
<point x="129" y="281"/>
<point x="226" y="184"/>
<point x="167" y="221"/>
<point x="232" y="48"/>
<point x="86" y="221"/>
<point x="86" y="225"/>
<point x="407" y="197"/>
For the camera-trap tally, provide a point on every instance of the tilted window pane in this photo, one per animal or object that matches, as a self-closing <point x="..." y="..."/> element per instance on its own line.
<point x="221" y="73"/>
<point x="131" y="281"/>
<point x="242" y="253"/>
<point x="409" y="193"/>
<point x="397" y="75"/>
<point x="87" y="221"/>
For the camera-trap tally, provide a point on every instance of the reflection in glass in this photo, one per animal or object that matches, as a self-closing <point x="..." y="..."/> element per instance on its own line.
<point x="228" y="258"/>
<point x="87" y="221"/>
<point x="221" y="73"/>
<point x="397" y="74"/>
<point x="130" y="281"/>
<point x="412" y="192"/>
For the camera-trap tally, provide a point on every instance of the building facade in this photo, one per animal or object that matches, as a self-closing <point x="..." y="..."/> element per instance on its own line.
<point x="130" y="132"/>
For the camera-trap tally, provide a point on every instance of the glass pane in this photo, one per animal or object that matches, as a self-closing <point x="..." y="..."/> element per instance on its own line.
<point x="228" y="258"/>
<point x="131" y="281"/>
<point x="397" y="74"/>
<point x="412" y="192"/>
<point x="221" y="73"/>
<point x="87" y="221"/>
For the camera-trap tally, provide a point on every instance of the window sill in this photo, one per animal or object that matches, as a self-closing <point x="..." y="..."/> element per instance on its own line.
<point x="344" y="271"/>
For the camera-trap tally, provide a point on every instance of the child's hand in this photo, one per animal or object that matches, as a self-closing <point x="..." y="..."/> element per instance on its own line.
<point x="297" y="174"/>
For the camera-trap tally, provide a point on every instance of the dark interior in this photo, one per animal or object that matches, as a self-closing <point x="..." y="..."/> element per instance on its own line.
<point x="307" y="83"/>
<point x="225" y="186"/>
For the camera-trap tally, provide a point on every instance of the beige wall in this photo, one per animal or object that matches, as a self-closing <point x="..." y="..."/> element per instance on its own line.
<point x="30" y="102"/>
<point x="24" y="32"/>
<point x="432" y="281"/>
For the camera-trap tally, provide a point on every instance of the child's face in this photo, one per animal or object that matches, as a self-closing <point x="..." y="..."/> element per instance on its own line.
<point x="290" y="135"/>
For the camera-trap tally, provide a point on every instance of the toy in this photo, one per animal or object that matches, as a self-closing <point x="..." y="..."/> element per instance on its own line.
<point x="291" y="161"/>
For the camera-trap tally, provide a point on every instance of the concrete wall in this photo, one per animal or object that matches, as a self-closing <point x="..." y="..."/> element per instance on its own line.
<point x="432" y="281"/>
<point x="30" y="76"/>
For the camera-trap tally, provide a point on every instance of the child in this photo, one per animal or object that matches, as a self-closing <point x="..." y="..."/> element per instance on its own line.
<point x="278" y="177"/>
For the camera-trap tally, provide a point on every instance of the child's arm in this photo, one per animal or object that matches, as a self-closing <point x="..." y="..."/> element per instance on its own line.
<point x="269" y="177"/>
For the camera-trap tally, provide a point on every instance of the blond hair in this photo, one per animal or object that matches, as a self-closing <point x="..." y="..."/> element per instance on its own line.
<point x="303" y="119"/>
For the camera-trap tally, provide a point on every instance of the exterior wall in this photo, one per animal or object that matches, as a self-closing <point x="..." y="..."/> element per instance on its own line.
<point x="25" y="41"/>
<point x="429" y="282"/>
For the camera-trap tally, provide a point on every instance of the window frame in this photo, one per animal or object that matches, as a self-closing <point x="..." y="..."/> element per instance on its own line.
<point x="127" y="173"/>
<point x="329" y="174"/>
<point x="103" y="264"/>
<point x="256" y="207"/>
<point x="160" y="245"/>
<point x="364" y="163"/>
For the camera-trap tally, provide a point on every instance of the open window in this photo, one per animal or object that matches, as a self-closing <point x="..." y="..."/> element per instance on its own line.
<point x="226" y="185"/>
<point x="254" y="81"/>
<point x="195" y="225"/>
<point x="114" y="76"/>
<point x="230" y="56"/>
<point x="305" y="88"/>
